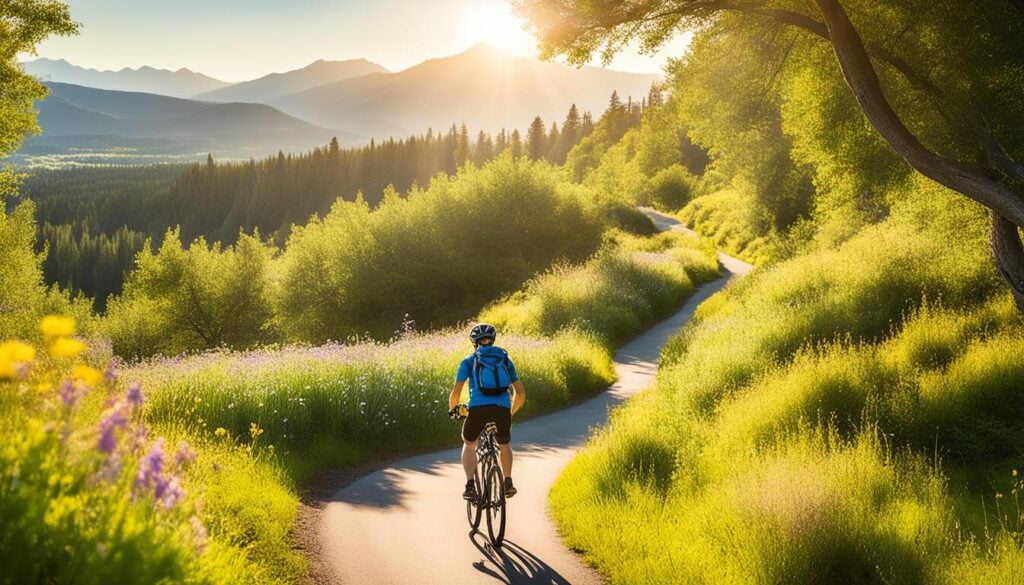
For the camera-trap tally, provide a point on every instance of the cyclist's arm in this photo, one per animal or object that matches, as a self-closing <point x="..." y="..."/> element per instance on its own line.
<point x="453" y="398"/>
<point x="519" y="397"/>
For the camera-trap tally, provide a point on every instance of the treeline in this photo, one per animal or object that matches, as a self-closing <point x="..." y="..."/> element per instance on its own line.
<point x="90" y="264"/>
<point x="216" y="200"/>
<point x="436" y="256"/>
<point x="93" y="216"/>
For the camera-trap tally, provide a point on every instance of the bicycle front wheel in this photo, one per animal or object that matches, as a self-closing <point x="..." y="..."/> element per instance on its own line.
<point x="496" y="505"/>
<point x="473" y="508"/>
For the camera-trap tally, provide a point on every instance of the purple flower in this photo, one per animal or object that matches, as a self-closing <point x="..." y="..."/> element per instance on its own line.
<point x="110" y="374"/>
<point x="134" y="395"/>
<point x="168" y="491"/>
<point x="111" y="469"/>
<point x="151" y="467"/>
<point x="185" y="455"/>
<point x="113" y="422"/>
<point x="67" y="393"/>
<point x="199" y="533"/>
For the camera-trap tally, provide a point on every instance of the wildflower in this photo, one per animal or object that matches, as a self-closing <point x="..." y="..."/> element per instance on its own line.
<point x="66" y="347"/>
<point x="185" y="455"/>
<point x="150" y="473"/>
<point x="67" y="393"/>
<point x="110" y="374"/>
<point x="86" y="375"/>
<point x="111" y="468"/>
<point x="220" y="432"/>
<point x="255" y="430"/>
<point x="54" y="326"/>
<point x="134" y="395"/>
<point x="168" y="491"/>
<point x="199" y="534"/>
<point x="113" y="422"/>
<point x="1014" y="473"/>
<point x="14" y="355"/>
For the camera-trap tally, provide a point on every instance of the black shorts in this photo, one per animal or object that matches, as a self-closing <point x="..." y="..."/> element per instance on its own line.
<point x="481" y="415"/>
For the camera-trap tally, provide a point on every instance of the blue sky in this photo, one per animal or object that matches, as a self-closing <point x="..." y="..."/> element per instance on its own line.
<point x="243" y="39"/>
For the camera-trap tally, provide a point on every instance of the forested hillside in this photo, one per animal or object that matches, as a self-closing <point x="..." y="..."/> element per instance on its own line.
<point x="102" y="214"/>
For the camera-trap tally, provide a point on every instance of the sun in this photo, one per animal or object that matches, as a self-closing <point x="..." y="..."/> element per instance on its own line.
<point x="493" y="22"/>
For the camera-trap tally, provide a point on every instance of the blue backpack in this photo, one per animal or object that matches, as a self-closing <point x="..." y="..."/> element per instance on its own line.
<point x="491" y="371"/>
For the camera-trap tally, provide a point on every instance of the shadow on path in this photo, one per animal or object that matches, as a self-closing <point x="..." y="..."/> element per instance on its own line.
<point x="512" y="563"/>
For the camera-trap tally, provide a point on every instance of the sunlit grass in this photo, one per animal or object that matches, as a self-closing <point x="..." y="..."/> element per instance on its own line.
<point x="851" y="415"/>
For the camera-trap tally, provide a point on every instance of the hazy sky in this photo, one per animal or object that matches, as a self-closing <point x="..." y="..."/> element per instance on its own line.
<point x="243" y="39"/>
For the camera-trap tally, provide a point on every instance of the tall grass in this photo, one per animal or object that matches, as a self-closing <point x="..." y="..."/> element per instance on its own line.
<point x="852" y="415"/>
<point x="356" y="400"/>
<point x="630" y="284"/>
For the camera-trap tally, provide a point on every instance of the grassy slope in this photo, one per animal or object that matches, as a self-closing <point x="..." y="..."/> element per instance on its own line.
<point x="848" y="416"/>
<point x="331" y="405"/>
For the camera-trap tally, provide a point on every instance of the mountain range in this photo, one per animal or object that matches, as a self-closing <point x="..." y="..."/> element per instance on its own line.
<point x="483" y="87"/>
<point x="276" y="85"/>
<point x="74" y="118"/>
<point x="180" y="83"/>
<point x="355" y="100"/>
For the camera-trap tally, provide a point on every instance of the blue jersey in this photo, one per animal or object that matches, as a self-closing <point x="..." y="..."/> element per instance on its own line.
<point x="477" y="398"/>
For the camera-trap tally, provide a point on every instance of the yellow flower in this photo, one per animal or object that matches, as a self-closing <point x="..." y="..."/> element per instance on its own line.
<point x="54" y="326"/>
<point x="220" y="432"/>
<point x="1014" y="473"/>
<point x="86" y="375"/>
<point x="255" y="430"/>
<point x="66" y="347"/>
<point x="44" y="388"/>
<point x="17" y="351"/>
<point x="12" y="355"/>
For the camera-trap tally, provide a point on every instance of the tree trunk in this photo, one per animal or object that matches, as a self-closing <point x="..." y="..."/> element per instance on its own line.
<point x="974" y="182"/>
<point x="1009" y="255"/>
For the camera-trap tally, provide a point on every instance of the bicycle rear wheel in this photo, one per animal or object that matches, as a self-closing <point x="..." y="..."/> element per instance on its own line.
<point x="473" y="509"/>
<point x="496" y="505"/>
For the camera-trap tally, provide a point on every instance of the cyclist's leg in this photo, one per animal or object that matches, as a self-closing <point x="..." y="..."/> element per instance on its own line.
<point x="503" y="420"/>
<point x="471" y="429"/>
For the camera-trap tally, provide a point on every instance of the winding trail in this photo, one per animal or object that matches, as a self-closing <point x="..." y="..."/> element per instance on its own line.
<point x="406" y="524"/>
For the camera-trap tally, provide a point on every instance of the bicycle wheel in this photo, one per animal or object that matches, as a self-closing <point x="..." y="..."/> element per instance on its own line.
<point x="473" y="509"/>
<point x="496" y="506"/>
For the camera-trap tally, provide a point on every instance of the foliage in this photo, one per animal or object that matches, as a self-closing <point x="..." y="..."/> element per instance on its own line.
<point x="628" y="285"/>
<point x="847" y="415"/>
<point x="197" y="298"/>
<point x="85" y="495"/>
<point x="436" y="256"/>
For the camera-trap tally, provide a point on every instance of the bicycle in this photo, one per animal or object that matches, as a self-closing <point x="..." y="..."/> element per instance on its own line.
<point x="490" y="487"/>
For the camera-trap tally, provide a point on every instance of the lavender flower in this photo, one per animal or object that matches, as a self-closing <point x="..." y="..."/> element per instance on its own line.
<point x="151" y="467"/>
<point x="168" y="491"/>
<point x="134" y="395"/>
<point x="113" y="422"/>
<point x="110" y="374"/>
<point x="199" y="533"/>
<point x="185" y="455"/>
<point x="67" y="393"/>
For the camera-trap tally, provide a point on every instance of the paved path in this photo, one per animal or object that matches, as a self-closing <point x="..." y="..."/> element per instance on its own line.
<point x="406" y="524"/>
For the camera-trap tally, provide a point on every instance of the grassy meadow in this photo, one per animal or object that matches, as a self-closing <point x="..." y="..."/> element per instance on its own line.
<point x="255" y="424"/>
<point x="851" y="415"/>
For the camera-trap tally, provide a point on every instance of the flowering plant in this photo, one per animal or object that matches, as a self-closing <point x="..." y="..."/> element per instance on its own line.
<point x="86" y="496"/>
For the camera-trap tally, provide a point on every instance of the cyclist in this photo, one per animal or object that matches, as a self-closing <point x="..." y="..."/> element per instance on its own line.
<point x="486" y="403"/>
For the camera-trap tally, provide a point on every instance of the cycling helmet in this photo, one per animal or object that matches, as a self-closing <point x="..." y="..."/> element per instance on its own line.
<point x="483" y="330"/>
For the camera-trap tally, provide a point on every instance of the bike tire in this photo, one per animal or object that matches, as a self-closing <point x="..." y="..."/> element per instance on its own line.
<point x="495" y="490"/>
<point x="473" y="508"/>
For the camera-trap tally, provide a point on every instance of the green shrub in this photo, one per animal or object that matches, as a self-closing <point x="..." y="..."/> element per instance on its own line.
<point x="670" y="189"/>
<point x="436" y="256"/>
<point x="629" y="285"/>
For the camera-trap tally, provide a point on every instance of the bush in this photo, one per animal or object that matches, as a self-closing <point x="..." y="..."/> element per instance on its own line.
<point x="437" y="256"/>
<point x="197" y="298"/>
<point x="841" y="417"/>
<point x="670" y="189"/>
<point x="628" y="286"/>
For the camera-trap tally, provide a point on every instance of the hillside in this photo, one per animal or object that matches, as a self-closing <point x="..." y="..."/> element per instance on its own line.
<point x="483" y="87"/>
<point x="180" y="83"/>
<point x="278" y="85"/>
<point x="75" y="117"/>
